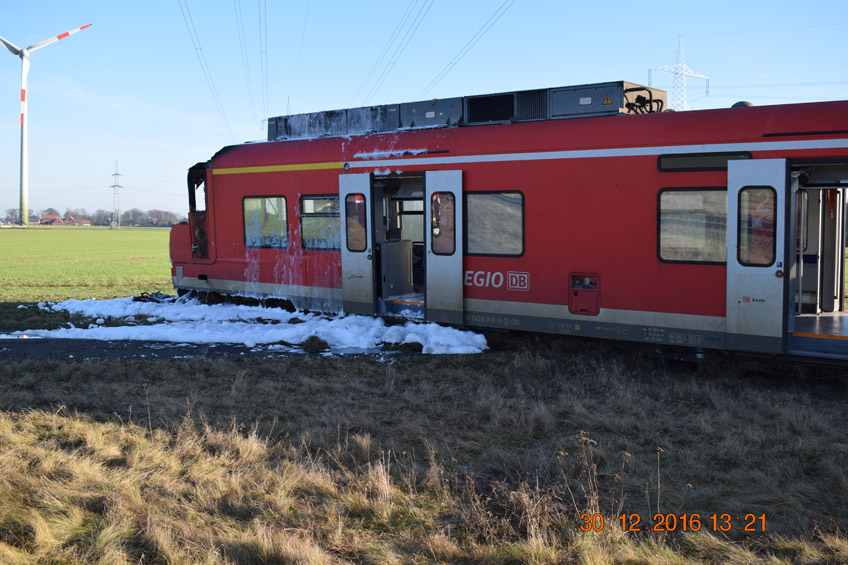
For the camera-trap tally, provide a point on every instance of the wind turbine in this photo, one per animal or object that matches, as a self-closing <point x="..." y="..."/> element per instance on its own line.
<point x="24" y="55"/>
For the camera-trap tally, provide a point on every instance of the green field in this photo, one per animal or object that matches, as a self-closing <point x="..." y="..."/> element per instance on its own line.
<point x="58" y="263"/>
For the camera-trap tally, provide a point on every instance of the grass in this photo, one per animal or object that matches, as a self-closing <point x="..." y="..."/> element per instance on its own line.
<point x="462" y="459"/>
<point x="484" y="459"/>
<point x="62" y="262"/>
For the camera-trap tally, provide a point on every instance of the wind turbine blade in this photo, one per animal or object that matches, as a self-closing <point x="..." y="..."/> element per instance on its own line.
<point x="46" y="42"/>
<point x="10" y="46"/>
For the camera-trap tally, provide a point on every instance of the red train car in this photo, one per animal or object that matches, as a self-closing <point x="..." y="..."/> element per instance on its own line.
<point x="576" y="210"/>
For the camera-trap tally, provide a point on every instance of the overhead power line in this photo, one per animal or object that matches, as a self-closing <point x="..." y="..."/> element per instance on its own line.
<point x="765" y="30"/>
<point x="385" y="50"/>
<point x="299" y="51"/>
<point x="150" y="191"/>
<point x="468" y="46"/>
<point x="207" y="74"/>
<point x="263" y="52"/>
<point x="244" y="60"/>
<point x="783" y="85"/>
<point x="148" y="179"/>
<point x="410" y="32"/>
<point x="104" y="187"/>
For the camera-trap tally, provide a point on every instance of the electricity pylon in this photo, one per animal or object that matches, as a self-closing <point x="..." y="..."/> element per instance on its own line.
<point x="680" y="72"/>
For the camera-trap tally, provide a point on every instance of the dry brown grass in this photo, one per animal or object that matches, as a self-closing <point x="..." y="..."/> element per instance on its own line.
<point x="486" y="459"/>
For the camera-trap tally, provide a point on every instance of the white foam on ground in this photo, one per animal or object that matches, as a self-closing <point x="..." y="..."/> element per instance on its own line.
<point x="188" y="321"/>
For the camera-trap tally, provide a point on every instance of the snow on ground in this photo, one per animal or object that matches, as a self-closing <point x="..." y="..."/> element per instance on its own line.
<point x="188" y="321"/>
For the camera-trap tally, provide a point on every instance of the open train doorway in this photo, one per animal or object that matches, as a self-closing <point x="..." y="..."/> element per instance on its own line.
<point x="819" y="314"/>
<point x="402" y="248"/>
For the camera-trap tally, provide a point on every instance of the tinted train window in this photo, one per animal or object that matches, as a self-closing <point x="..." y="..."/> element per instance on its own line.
<point x="757" y="215"/>
<point x="443" y="223"/>
<point x="692" y="226"/>
<point x="320" y="226"/>
<point x="357" y="236"/>
<point x="265" y="222"/>
<point x="495" y="223"/>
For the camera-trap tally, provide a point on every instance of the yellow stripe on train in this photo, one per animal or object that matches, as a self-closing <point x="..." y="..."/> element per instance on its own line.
<point x="278" y="168"/>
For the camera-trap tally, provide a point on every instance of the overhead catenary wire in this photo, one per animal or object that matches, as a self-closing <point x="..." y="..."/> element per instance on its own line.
<point x="201" y="57"/>
<point x="244" y="60"/>
<point x="507" y="4"/>
<point x="385" y="50"/>
<point x="263" y="53"/>
<point x="299" y="51"/>
<point x="410" y="32"/>
<point x="148" y="179"/>
<point x="151" y="191"/>
<point x="88" y="188"/>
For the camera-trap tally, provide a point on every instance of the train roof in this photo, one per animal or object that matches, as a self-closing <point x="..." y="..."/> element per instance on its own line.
<point x="600" y="99"/>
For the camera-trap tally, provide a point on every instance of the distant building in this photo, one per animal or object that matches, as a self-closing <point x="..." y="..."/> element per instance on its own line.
<point x="50" y="220"/>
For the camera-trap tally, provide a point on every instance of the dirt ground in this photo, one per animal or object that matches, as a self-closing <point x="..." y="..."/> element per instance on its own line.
<point x="90" y="349"/>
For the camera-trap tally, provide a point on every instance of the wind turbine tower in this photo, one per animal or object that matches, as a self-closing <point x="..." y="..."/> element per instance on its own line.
<point x="680" y="72"/>
<point x="24" y="55"/>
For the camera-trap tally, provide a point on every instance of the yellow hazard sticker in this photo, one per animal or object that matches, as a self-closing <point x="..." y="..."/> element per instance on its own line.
<point x="607" y="101"/>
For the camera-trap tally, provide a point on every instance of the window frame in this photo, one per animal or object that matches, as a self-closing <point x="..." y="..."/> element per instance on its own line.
<point x="453" y="250"/>
<point x="659" y="223"/>
<point x="739" y="225"/>
<point x="413" y="216"/>
<point x="465" y="232"/>
<point x="285" y="210"/>
<point x="302" y="214"/>
<point x="364" y="222"/>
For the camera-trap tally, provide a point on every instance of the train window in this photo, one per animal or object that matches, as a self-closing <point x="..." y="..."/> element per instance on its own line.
<point x="357" y="238"/>
<point x="692" y="226"/>
<point x="443" y="223"/>
<point x="495" y="223"/>
<point x="265" y="222"/>
<point x="320" y="226"/>
<point x="411" y="214"/>
<point x="699" y="161"/>
<point x="757" y="215"/>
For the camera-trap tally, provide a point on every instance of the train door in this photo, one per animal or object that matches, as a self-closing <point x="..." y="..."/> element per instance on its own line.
<point x="357" y="244"/>
<point x="756" y="229"/>
<point x="402" y="245"/>
<point x="443" y="246"/>
<point x="202" y="242"/>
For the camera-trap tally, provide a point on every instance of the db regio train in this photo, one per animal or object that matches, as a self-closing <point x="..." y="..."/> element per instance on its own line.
<point x="583" y="210"/>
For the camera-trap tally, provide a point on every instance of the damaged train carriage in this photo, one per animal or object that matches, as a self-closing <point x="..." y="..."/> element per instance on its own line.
<point x="576" y="210"/>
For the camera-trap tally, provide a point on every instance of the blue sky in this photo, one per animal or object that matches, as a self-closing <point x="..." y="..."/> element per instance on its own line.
<point x="130" y="88"/>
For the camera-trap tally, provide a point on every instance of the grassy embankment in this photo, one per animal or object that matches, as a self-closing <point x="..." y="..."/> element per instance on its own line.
<point x="486" y="459"/>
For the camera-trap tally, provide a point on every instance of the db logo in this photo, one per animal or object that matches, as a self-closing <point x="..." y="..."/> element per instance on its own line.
<point x="517" y="281"/>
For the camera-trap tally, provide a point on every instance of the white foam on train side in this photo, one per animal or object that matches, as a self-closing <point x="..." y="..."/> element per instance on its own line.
<point x="188" y="321"/>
